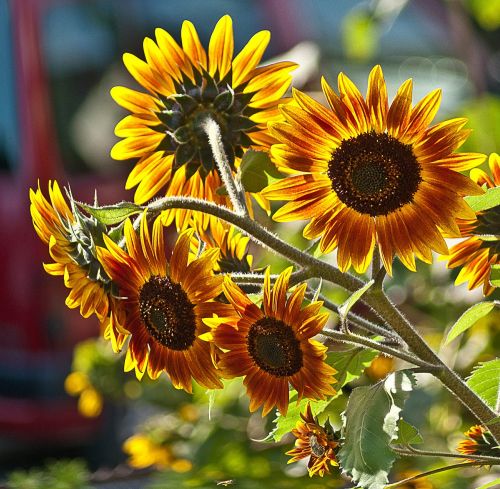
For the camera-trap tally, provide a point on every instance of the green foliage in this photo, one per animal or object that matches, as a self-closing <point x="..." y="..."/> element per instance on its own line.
<point x="360" y="35"/>
<point x="110" y="215"/>
<point x="469" y="318"/>
<point x="488" y="200"/>
<point x="61" y="474"/>
<point x="485" y="382"/>
<point x="256" y="169"/>
<point x="371" y="424"/>
<point x="407" y="434"/>
<point x="347" y="305"/>
<point x="490" y="485"/>
<point x="486" y="12"/>
<point x="495" y="275"/>
<point x="285" y="424"/>
<point x="350" y="363"/>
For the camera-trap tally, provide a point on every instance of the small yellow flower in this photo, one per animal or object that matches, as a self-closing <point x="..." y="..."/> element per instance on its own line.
<point x="315" y="442"/>
<point x="143" y="452"/>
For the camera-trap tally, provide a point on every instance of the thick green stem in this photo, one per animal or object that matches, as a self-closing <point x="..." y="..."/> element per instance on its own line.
<point x="382" y="306"/>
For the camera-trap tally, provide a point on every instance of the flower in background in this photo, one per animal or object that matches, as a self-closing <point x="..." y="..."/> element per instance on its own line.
<point x="481" y="250"/>
<point x="314" y="441"/>
<point x="165" y="303"/>
<point x="186" y="86"/>
<point x="71" y="236"/>
<point x="480" y="442"/>
<point x="274" y="348"/>
<point x="364" y="172"/>
<point x="90" y="401"/>
<point x="420" y="483"/>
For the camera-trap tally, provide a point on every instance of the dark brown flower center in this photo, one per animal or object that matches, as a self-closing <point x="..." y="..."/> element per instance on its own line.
<point x="374" y="173"/>
<point x="274" y="347"/>
<point x="167" y="313"/>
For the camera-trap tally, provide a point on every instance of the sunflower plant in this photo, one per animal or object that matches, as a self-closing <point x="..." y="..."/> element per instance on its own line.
<point x="376" y="181"/>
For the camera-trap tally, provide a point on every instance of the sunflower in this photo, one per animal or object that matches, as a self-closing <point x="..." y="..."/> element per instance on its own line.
<point x="273" y="348"/>
<point x="233" y="246"/>
<point x="480" y="442"/>
<point x="70" y="238"/>
<point x="314" y="441"/>
<point x="186" y="86"/>
<point x="365" y="173"/>
<point x="481" y="250"/>
<point x="165" y="303"/>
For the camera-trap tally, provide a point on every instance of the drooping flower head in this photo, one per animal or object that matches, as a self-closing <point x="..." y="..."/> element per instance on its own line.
<point x="480" y="442"/>
<point x="273" y="348"/>
<point x="481" y="250"/>
<point x="165" y="303"/>
<point x="187" y="85"/>
<point x="315" y="441"/>
<point x="71" y="236"/>
<point x="364" y="172"/>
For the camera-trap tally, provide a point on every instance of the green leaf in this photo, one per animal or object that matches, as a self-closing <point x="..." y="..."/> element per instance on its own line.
<point x="255" y="170"/>
<point x="488" y="200"/>
<point x="360" y="35"/>
<point x="485" y="382"/>
<point x="350" y="364"/>
<point x="469" y="318"/>
<point x="347" y="305"/>
<point x="495" y="276"/>
<point x="370" y="425"/>
<point x="490" y="485"/>
<point x="285" y="424"/>
<point x="407" y="434"/>
<point x="110" y="215"/>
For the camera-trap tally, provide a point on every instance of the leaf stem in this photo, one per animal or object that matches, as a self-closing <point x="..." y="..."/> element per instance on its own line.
<point x="430" y="472"/>
<point x="414" y="452"/>
<point x="388" y="350"/>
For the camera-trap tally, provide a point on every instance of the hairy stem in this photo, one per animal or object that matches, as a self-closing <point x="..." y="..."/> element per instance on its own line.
<point x="235" y="191"/>
<point x="430" y="472"/>
<point x="262" y="236"/>
<point x="382" y="306"/>
<point x="414" y="452"/>
<point x="388" y="350"/>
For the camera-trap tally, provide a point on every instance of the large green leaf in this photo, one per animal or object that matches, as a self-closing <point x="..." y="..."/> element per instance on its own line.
<point x="370" y="425"/>
<point x="112" y="214"/>
<point x="488" y="200"/>
<point x="469" y="318"/>
<point x="495" y="275"/>
<point x="407" y="434"/>
<point x="350" y="363"/>
<point x="485" y="382"/>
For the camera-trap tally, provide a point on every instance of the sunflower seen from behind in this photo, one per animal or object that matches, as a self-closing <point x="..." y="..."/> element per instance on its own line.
<point x="185" y="86"/>
<point x="165" y="303"/>
<point x="481" y="250"/>
<point x="70" y="236"/>
<point x="273" y="348"/>
<point x="364" y="173"/>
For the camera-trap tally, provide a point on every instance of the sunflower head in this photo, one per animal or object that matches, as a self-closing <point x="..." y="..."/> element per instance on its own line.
<point x="187" y="86"/>
<point x="480" y="251"/>
<point x="364" y="173"/>
<point x="72" y="238"/>
<point x="479" y="442"/>
<point x="273" y="347"/>
<point x="316" y="441"/>
<point x="164" y="303"/>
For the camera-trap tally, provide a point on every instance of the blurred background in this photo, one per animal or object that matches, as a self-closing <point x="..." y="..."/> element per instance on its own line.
<point x="59" y="59"/>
